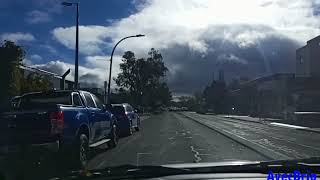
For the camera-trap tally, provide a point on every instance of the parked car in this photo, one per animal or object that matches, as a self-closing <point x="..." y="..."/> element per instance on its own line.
<point x="67" y="123"/>
<point x="127" y="118"/>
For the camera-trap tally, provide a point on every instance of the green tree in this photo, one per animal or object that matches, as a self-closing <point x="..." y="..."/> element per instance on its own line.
<point x="215" y="97"/>
<point x="11" y="56"/>
<point x="143" y="79"/>
<point x="12" y="76"/>
<point x="35" y="82"/>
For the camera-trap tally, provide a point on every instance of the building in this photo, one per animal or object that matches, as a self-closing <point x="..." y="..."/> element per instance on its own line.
<point x="283" y="95"/>
<point x="308" y="59"/>
<point x="267" y="96"/>
<point x="221" y="75"/>
<point x="57" y="81"/>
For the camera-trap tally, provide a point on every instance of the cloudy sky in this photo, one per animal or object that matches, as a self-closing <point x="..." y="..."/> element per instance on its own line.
<point x="196" y="37"/>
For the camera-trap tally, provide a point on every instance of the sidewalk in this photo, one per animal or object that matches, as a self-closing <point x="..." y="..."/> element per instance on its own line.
<point x="243" y="118"/>
<point x="311" y="126"/>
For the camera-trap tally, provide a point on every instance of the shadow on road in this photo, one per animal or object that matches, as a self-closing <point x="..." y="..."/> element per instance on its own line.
<point x="38" y="164"/>
<point x="29" y="165"/>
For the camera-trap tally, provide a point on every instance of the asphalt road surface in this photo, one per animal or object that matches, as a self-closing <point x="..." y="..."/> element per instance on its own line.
<point x="186" y="137"/>
<point x="286" y="143"/>
<point x="171" y="138"/>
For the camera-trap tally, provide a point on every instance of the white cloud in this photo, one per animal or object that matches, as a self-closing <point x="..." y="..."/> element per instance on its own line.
<point x="231" y="58"/>
<point x="202" y="26"/>
<point x="35" y="57"/>
<point x="94" y="71"/>
<point x="36" y="16"/>
<point x="91" y="38"/>
<point x="17" y="37"/>
<point x="102" y="64"/>
<point x="179" y="22"/>
<point x="185" y="22"/>
<point x="27" y="62"/>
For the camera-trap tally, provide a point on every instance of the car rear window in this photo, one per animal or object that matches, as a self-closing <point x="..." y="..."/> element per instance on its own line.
<point x="43" y="100"/>
<point x="129" y="109"/>
<point x="118" y="110"/>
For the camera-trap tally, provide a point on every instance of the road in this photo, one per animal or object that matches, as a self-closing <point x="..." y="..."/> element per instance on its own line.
<point x="172" y="138"/>
<point x="186" y="137"/>
<point x="276" y="142"/>
<point x="190" y="138"/>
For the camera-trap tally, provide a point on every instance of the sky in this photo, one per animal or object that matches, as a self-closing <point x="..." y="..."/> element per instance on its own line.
<point x="197" y="38"/>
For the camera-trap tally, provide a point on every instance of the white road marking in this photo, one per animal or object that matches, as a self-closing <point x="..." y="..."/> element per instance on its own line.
<point x="288" y="125"/>
<point x="138" y="156"/>
<point x="196" y="154"/>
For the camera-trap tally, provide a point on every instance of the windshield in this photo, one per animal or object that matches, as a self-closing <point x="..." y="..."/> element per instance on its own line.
<point x="118" y="110"/>
<point x="157" y="82"/>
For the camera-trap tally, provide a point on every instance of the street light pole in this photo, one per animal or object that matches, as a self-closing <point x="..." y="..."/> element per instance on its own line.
<point x="110" y="68"/>
<point x="76" y="63"/>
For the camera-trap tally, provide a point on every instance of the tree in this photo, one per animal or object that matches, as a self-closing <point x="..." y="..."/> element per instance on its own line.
<point x="143" y="79"/>
<point x="35" y="82"/>
<point x="11" y="56"/>
<point x="215" y="97"/>
<point x="12" y="77"/>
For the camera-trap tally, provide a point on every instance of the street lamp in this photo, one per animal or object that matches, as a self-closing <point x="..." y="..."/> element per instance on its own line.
<point x="76" y="63"/>
<point x="110" y="69"/>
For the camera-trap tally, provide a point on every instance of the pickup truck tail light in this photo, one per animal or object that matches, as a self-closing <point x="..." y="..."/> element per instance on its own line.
<point x="57" y="122"/>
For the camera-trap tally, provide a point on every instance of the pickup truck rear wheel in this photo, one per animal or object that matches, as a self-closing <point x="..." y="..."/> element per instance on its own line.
<point x="114" y="137"/>
<point x="129" y="133"/>
<point x="137" y="128"/>
<point x="81" y="152"/>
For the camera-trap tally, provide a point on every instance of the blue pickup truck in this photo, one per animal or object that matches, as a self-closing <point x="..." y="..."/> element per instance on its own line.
<point x="67" y="122"/>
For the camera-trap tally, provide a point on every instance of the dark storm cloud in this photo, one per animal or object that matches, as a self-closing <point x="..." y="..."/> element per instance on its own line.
<point x="89" y="80"/>
<point x="264" y="53"/>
